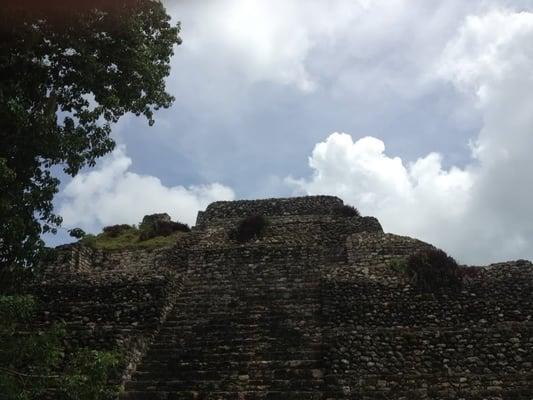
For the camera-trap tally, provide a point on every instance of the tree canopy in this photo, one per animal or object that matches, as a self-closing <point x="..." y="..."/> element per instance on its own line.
<point x="68" y="71"/>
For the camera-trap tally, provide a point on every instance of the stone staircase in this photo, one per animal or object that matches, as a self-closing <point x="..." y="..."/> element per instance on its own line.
<point x="245" y="327"/>
<point x="312" y="310"/>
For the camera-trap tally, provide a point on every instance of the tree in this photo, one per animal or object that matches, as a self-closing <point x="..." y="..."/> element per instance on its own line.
<point x="68" y="71"/>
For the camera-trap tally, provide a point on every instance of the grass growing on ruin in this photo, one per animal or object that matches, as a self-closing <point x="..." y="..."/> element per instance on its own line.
<point x="128" y="238"/>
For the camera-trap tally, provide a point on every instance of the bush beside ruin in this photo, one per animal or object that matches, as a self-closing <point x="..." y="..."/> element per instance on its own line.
<point x="430" y="270"/>
<point x="249" y="228"/>
<point x="347" y="211"/>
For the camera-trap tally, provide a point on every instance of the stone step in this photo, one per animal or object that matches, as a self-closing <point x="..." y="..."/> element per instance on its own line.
<point x="237" y="356"/>
<point x="270" y="283"/>
<point x="152" y="365"/>
<point x="267" y="338"/>
<point x="291" y="344"/>
<point x="201" y="332"/>
<point x="251" y="291"/>
<point x="220" y="395"/>
<point x="240" y="329"/>
<point x="240" y="312"/>
<point x="255" y="299"/>
<point x="248" y="335"/>
<point x="276" y="278"/>
<point x="243" y="381"/>
<point x="206" y="371"/>
<point x="242" y="317"/>
<point x="228" y="314"/>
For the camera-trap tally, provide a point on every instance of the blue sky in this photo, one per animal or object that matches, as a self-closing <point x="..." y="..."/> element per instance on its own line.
<point x="416" y="112"/>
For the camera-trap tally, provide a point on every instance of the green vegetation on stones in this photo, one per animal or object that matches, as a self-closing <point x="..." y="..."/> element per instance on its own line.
<point x="128" y="238"/>
<point x="399" y="265"/>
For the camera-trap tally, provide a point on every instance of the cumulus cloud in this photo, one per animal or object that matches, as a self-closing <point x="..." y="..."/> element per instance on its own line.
<point x="112" y="194"/>
<point x="479" y="213"/>
<point x="419" y="198"/>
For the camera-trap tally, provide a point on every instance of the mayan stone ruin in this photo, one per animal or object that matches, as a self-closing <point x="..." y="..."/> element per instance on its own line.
<point x="311" y="310"/>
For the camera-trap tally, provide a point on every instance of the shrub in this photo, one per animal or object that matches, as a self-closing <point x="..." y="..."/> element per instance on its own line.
<point x="161" y="228"/>
<point x="116" y="230"/>
<point x="251" y="227"/>
<point x="432" y="269"/>
<point x="77" y="233"/>
<point x="347" y="211"/>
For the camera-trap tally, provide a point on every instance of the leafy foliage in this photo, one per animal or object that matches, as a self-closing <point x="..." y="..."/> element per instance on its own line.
<point x="30" y="360"/>
<point x="77" y="233"/>
<point x="347" y="211"/>
<point x="87" y="375"/>
<point x="249" y="228"/>
<point x="432" y="269"/>
<point x="68" y="71"/>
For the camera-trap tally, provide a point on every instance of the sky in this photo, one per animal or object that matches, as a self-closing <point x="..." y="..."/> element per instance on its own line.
<point x="416" y="112"/>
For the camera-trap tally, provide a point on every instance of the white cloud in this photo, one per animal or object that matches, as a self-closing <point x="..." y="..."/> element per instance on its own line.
<point x="111" y="194"/>
<point x="301" y="42"/>
<point x="479" y="213"/>
<point x="416" y="199"/>
<point x="252" y="40"/>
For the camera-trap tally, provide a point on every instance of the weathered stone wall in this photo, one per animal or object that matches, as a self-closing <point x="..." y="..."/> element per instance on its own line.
<point x="73" y="258"/>
<point x="309" y="205"/>
<point x="372" y="253"/>
<point x="370" y="249"/>
<point x="312" y="310"/>
<point x="79" y="258"/>
<point x="112" y="311"/>
<point x="326" y="233"/>
<point x="110" y="300"/>
<point x="390" y="341"/>
<point x="102" y="311"/>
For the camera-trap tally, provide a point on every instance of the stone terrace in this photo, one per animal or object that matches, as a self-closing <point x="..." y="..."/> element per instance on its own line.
<point x="312" y="310"/>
